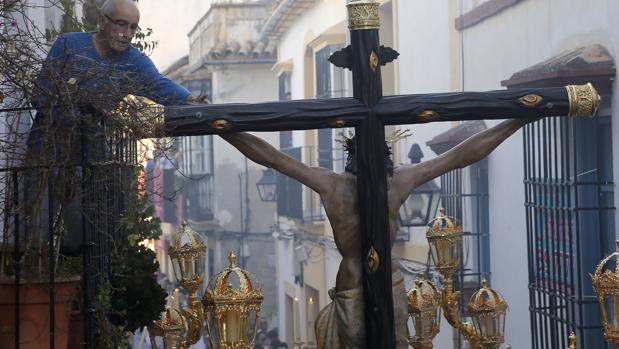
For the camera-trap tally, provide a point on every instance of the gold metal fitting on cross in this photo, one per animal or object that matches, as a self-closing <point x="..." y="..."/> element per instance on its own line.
<point x="363" y="14"/>
<point x="584" y="100"/>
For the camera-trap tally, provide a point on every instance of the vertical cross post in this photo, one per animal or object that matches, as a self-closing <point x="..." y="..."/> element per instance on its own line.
<point x="371" y="176"/>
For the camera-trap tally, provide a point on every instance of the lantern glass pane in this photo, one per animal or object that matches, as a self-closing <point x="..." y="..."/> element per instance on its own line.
<point x="178" y="270"/>
<point x="434" y="252"/>
<point x="414" y="209"/>
<point x="611" y="304"/>
<point x="252" y="323"/>
<point x="231" y="327"/>
<point x="417" y="324"/>
<point x="428" y="322"/>
<point x="213" y="327"/>
<point x="198" y="264"/>
<point x="187" y="267"/>
<point x="448" y="252"/>
<point x="488" y="325"/>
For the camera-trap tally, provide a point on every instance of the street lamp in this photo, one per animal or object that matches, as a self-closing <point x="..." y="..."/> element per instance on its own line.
<point x="267" y="186"/>
<point x="421" y="205"/>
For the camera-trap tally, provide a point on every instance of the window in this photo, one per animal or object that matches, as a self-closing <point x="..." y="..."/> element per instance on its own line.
<point x="570" y="225"/>
<point x="284" y="86"/>
<point x="197" y="170"/>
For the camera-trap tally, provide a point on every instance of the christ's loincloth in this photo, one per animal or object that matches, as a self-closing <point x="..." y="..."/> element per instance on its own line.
<point x="340" y="325"/>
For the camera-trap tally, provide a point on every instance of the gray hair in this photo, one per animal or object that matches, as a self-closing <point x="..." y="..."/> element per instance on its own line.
<point x="108" y="6"/>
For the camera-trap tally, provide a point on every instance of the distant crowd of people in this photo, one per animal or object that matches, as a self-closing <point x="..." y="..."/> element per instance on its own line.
<point x="269" y="340"/>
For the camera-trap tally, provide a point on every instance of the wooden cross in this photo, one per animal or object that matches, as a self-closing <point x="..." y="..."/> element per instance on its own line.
<point x="368" y="111"/>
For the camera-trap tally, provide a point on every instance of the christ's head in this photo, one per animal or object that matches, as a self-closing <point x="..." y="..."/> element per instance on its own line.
<point x="350" y="146"/>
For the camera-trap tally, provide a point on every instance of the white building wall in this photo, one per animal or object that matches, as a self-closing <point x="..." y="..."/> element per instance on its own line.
<point x="284" y="252"/>
<point x="424" y="61"/>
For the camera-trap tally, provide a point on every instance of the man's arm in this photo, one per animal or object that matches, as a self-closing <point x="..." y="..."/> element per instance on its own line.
<point x="261" y="152"/>
<point x="475" y="148"/>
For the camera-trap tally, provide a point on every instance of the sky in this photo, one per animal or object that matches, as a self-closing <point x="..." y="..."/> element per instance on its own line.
<point x="171" y="22"/>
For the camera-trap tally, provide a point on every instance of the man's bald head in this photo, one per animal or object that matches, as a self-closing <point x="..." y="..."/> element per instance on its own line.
<point x="118" y="23"/>
<point x="111" y="7"/>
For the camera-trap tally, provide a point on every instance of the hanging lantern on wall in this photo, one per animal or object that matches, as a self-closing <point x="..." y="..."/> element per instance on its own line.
<point x="424" y="308"/>
<point x="232" y="305"/>
<point x="169" y="327"/>
<point x="606" y="286"/>
<point x="444" y="235"/>
<point x="488" y="309"/>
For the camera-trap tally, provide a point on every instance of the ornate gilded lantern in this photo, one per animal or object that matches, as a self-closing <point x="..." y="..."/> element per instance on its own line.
<point x="170" y="327"/>
<point x="424" y="302"/>
<point x="606" y="285"/>
<point x="444" y="235"/>
<point x="487" y="309"/>
<point x="188" y="255"/>
<point x="232" y="305"/>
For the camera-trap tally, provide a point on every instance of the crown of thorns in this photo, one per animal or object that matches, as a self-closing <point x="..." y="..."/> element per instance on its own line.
<point x="348" y="141"/>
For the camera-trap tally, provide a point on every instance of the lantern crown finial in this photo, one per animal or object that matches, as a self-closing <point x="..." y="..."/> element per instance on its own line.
<point x="232" y="259"/>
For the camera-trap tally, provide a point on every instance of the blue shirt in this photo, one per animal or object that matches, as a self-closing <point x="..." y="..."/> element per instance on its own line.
<point x="75" y="84"/>
<point x="102" y="80"/>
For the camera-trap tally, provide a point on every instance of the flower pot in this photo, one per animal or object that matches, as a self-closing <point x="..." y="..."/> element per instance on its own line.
<point x="34" y="313"/>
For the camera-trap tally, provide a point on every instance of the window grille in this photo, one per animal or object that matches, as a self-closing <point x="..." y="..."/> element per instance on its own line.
<point x="570" y="225"/>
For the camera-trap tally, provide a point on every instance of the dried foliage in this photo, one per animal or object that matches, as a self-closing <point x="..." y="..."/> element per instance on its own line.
<point x="82" y="151"/>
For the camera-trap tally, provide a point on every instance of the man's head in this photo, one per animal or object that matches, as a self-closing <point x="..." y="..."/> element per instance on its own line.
<point x="118" y="22"/>
<point x="351" y="160"/>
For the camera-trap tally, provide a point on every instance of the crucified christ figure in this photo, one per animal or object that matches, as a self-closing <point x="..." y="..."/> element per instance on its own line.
<point x="341" y="323"/>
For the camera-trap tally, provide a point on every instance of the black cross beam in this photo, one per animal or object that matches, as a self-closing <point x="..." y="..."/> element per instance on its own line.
<point x="368" y="111"/>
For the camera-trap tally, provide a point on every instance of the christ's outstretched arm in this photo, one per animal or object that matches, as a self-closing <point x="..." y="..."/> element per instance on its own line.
<point x="261" y="152"/>
<point x="475" y="148"/>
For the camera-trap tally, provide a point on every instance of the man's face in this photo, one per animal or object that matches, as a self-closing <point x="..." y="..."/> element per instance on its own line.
<point x="119" y="27"/>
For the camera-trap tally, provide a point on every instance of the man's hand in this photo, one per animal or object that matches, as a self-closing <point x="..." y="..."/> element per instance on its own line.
<point x="201" y="99"/>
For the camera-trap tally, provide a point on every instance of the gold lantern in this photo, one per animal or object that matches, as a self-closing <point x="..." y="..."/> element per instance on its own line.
<point x="232" y="305"/>
<point x="424" y="302"/>
<point x="444" y="235"/>
<point x="606" y="285"/>
<point x="170" y="327"/>
<point x="488" y="309"/>
<point x="188" y="257"/>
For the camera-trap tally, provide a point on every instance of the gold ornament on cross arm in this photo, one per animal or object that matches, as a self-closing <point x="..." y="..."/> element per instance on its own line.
<point x="363" y="14"/>
<point x="584" y="100"/>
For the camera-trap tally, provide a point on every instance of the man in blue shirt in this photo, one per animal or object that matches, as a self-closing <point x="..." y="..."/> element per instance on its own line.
<point x="83" y="79"/>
